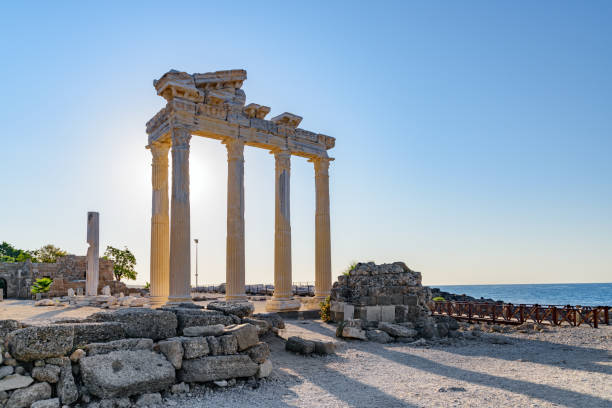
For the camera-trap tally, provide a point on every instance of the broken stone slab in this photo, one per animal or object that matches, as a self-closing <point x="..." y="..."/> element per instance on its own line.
<point x="265" y="369"/>
<point x="48" y="403"/>
<point x="378" y="336"/>
<point x="212" y="330"/>
<point x="259" y="352"/>
<point x="49" y="373"/>
<point x="142" y="323"/>
<point x="25" y="397"/>
<point x="173" y="350"/>
<point x="240" y="309"/>
<point x="39" y="342"/>
<point x="300" y="345"/>
<point x="118" y="345"/>
<point x="125" y="373"/>
<point x="246" y="334"/>
<point x="396" y="330"/>
<point x="14" y="381"/>
<point x="217" y="368"/>
<point x="273" y="319"/>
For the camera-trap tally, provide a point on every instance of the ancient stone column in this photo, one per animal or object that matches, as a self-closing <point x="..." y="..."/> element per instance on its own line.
<point x="180" y="241"/>
<point x="234" y="264"/>
<point x="160" y="226"/>
<point x="282" y="299"/>
<point x="93" y="254"/>
<point x="323" y="275"/>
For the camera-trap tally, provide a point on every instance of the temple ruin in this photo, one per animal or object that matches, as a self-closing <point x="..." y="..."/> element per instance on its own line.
<point x="213" y="105"/>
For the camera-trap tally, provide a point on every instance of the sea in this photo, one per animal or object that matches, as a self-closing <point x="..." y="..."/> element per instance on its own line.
<point x="583" y="294"/>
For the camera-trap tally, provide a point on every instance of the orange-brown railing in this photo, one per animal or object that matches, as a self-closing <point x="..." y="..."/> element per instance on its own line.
<point x="507" y="313"/>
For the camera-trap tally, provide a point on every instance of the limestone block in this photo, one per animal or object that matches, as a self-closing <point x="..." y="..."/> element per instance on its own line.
<point x="25" y="397"/>
<point x="217" y="368"/>
<point x="39" y="342"/>
<point x="125" y="373"/>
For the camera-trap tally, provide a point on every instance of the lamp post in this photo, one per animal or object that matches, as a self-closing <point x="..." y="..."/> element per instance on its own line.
<point x="196" y="242"/>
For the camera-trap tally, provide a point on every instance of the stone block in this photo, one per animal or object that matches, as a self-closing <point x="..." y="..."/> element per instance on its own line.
<point x="39" y="342"/>
<point x="142" y="323"/>
<point x="125" y="373"/>
<point x="217" y="368"/>
<point x="387" y="314"/>
<point x="246" y="334"/>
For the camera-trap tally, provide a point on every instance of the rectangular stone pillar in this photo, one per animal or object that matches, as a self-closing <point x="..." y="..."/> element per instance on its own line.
<point x="93" y="254"/>
<point x="180" y="240"/>
<point x="323" y="275"/>
<point x="234" y="264"/>
<point x="283" y="295"/>
<point x="160" y="226"/>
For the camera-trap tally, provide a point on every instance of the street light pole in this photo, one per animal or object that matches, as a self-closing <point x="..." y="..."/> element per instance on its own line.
<point x="196" y="242"/>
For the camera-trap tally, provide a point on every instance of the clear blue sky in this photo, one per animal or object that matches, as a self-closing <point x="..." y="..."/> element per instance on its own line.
<point x="474" y="139"/>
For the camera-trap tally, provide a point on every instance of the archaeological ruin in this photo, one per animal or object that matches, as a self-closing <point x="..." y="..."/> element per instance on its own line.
<point x="212" y="105"/>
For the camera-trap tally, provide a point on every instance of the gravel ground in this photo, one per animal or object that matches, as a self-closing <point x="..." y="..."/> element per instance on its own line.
<point x="567" y="367"/>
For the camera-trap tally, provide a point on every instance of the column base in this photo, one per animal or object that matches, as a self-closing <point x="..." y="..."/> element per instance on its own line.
<point x="282" y="305"/>
<point x="158" y="301"/>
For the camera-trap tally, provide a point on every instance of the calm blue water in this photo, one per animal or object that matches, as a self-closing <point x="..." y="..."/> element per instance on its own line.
<point x="584" y="294"/>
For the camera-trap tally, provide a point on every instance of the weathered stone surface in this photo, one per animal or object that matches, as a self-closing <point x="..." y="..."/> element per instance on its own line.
<point x="194" y="347"/>
<point x="125" y="373"/>
<point x="259" y="352"/>
<point x="214" y="347"/>
<point x="396" y="330"/>
<point x="265" y="369"/>
<point x="7" y="326"/>
<point x="246" y="334"/>
<point x="67" y="390"/>
<point x="273" y="318"/>
<point x="14" y="381"/>
<point x="299" y="345"/>
<point x="228" y="344"/>
<point x="48" y="403"/>
<point x="86" y="333"/>
<point x="324" y="347"/>
<point x="142" y="323"/>
<point x="378" y="336"/>
<point x="240" y="309"/>
<point x="195" y="331"/>
<point x="49" y="373"/>
<point x="149" y="400"/>
<point x="173" y="350"/>
<point x="119" y="345"/>
<point x="217" y="368"/>
<point x="353" y="333"/>
<point x="25" y="397"/>
<point x="37" y="342"/>
<point x="6" y="370"/>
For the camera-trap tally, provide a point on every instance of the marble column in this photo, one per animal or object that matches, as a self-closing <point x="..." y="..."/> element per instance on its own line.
<point x="283" y="295"/>
<point x="93" y="254"/>
<point x="160" y="226"/>
<point x="323" y="276"/>
<point x="234" y="263"/>
<point x="180" y="241"/>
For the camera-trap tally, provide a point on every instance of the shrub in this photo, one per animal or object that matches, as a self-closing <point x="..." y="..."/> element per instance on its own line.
<point x="439" y="299"/>
<point x="325" y="307"/>
<point x="41" y="285"/>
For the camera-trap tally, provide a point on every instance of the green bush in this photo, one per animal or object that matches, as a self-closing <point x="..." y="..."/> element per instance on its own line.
<point x="41" y="285"/>
<point x="439" y="299"/>
<point x="325" y="308"/>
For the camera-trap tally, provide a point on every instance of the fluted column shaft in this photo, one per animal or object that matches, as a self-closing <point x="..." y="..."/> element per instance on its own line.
<point x="282" y="226"/>
<point x="160" y="226"/>
<point x="180" y="242"/>
<point x="234" y="264"/>
<point x="323" y="276"/>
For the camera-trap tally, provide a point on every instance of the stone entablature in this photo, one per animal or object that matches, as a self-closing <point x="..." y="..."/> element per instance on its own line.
<point x="213" y="105"/>
<point x="68" y="272"/>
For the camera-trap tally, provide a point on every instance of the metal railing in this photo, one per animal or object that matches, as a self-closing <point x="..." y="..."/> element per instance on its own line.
<point x="507" y="313"/>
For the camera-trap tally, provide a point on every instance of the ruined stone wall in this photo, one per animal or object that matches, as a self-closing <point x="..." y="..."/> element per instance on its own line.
<point x="67" y="272"/>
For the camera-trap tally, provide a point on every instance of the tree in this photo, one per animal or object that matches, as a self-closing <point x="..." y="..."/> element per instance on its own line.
<point x="49" y="253"/>
<point x="124" y="262"/>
